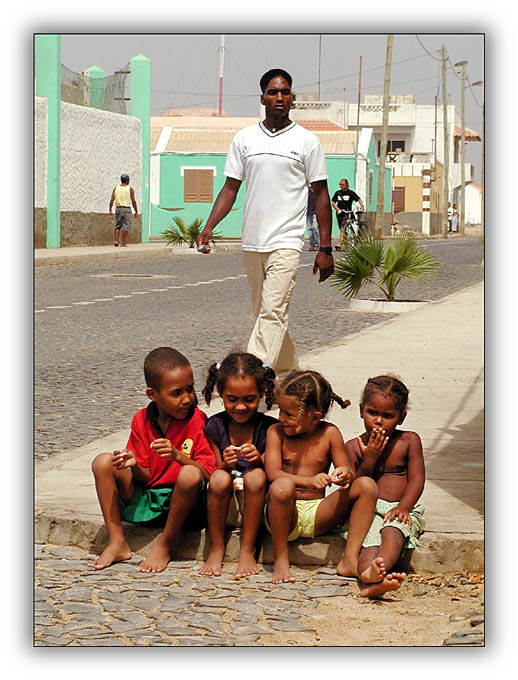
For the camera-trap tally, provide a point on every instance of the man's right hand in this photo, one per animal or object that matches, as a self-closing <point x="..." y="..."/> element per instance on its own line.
<point x="203" y="239"/>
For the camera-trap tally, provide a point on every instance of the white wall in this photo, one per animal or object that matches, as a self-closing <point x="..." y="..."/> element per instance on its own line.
<point x="96" y="147"/>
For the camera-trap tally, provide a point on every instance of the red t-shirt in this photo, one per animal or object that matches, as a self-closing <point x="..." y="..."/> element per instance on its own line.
<point x="187" y="435"/>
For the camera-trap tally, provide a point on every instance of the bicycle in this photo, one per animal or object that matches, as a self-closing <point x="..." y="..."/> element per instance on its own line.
<point x="352" y="226"/>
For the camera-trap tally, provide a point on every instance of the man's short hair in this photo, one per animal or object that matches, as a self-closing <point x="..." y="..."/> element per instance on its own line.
<point x="124" y="178"/>
<point x="159" y="360"/>
<point x="272" y="73"/>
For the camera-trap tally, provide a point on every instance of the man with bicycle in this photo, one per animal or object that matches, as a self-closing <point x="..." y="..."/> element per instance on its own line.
<point x="342" y="202"/>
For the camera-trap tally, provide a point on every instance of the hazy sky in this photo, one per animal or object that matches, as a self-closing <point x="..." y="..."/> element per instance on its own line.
<point x="185" y="67"/>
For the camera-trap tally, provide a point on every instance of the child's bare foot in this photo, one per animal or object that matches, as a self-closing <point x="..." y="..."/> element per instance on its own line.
<point x="347" y="567"/>
<point x="390" y="582"/>
<point x="157" y="561"/>
<point x="247" y="565"/>
<point x="375" y="572"/>
<point x="116" y="551"/>
<point x="281" y="571"/>
<point x="214" y="563"/>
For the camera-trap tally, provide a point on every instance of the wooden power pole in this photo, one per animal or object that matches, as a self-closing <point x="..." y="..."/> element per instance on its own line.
<point x="446" y="151"/>
<point x="383" y="149"/>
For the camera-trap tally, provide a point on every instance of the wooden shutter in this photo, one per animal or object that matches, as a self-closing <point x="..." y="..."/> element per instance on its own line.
<point x="398" y="199"/>
<point x="198" y="186"/>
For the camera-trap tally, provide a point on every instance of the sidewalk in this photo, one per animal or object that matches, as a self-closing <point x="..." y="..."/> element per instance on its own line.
<point x="83" y="253"/>
<point x="437" y="351"/>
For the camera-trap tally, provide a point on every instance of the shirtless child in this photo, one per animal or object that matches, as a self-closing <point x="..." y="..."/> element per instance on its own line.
<point x="299" y="453"/>
<point x="394" y="459"/>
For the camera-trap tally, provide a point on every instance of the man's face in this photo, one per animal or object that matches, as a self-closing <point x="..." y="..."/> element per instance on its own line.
<point x="277" y="98"/>
<point x="344" y="185"/>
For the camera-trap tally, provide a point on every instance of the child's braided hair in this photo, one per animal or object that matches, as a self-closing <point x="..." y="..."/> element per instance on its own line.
<point x="240" y="364"/>
<point x="390" y="386"/>
<point x="311" y="390"/>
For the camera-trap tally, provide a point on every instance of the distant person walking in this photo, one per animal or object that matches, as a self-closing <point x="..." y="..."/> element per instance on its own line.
<point x="123" y="196"/>
<point x="311" y="221"/>
<point x="278" y="159"/>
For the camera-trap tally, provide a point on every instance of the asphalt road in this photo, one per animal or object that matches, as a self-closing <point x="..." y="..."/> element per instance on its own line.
<point x="96" y="321"/>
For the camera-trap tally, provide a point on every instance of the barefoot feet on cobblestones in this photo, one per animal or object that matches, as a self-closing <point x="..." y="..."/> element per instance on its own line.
<point x="247" y="565"/>
<point x="157" y="560"/>
<point x="114" y="552"/>
<point x="214" y="563"/>
<point x="390" y="582"/>
<point x="281" y="572"/>
<point x="347" y="568"/>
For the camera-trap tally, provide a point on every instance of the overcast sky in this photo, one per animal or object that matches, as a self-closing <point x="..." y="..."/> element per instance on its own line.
<point x="185" y="67"/>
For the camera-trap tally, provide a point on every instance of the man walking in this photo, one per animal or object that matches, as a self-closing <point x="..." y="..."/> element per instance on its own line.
<point x="342" y="202"/>
<point x="278" y="159"/>
<point x="124" y="197"/>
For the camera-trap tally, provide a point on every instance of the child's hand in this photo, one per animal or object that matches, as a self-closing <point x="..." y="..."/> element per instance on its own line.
<point x="320" y="481"/>
<point x="250" y="453"/>
<point x="165" y="449"/>
<point x="343" y="476"/>
<point x="123" y="459"/>
<point x="377" y="442"/>
<point x="230" y="455"/>
<point x="400" y="514"/>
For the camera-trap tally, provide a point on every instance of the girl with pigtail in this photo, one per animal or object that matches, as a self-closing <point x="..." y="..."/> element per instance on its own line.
<point x="237" y="436"/>
<point x="299" y="452"/>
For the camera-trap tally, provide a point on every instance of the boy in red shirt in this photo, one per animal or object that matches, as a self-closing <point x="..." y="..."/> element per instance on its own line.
<point x="163" y="471"/>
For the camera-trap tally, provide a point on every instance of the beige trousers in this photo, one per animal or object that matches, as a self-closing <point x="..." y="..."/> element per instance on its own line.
<point x="271" y="277"/>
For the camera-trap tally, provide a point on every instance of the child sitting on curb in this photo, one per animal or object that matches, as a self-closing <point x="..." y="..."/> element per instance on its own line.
<point x="162" y="473"/>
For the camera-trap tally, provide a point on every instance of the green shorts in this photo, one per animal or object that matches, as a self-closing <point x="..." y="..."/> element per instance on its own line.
<point x="306" y="513"/>
<point x="411" y="533"/>
<point x="151" y="507"/>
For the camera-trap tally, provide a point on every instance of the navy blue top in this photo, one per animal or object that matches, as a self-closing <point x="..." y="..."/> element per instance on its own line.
<point x="217" y="427"/>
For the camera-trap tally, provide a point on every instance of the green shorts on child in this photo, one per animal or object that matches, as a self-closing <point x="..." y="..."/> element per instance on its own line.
<point x="151" y="506"/>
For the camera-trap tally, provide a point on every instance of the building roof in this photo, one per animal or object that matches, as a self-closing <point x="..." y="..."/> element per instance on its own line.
<point x="217" y="140"/>
<point x="319" y="125"/>
<point x="210" y="122"/>
<point x="469" y="135"/>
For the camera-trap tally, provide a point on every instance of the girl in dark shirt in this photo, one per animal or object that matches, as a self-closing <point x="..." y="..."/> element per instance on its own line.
<point x="237" y="436"/>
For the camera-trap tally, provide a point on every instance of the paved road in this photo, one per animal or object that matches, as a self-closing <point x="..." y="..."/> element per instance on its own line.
<point x="96" y="321"/>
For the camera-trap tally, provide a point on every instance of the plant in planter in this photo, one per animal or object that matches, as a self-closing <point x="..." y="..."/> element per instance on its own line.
<point x="382" y="264"/>
<point x="181" y="232"/>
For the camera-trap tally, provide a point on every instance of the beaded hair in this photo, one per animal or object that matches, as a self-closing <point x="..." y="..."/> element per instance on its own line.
<point x="390" y="386"/>
<point x="311" y="390"/>
<point x="160" y="359"/>
<point x="240" y="364"/>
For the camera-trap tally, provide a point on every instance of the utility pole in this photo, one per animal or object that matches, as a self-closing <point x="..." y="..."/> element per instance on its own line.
<point x="383" y="149"/>
<point x="480" y="83"/>
<point x="221" y="59"/>
<point x="446" y="150"/>
<point x="462" y="64"/>
<point x="319" y="59"/>
<point x="358" y="119"/>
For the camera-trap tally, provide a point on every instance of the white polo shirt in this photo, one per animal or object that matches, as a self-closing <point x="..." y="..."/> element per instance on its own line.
<point x="277" y="168"/>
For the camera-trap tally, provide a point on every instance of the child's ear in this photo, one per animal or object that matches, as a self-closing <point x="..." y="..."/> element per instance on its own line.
<point x="401" y="418"/>
<point x="317" y="416"/>
<point x="150" y="393"/>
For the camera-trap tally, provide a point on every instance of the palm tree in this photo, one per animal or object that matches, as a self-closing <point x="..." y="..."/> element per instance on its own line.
<point x="382" y="264"/>
<point x="185" y="233"/>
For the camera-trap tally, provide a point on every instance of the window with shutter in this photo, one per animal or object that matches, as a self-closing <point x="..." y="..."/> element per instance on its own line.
<point x="398" y="199"/>
<point x="198" y="186"/>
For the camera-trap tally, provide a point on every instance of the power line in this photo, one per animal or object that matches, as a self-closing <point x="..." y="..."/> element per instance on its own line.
<point x="428" y="53"/>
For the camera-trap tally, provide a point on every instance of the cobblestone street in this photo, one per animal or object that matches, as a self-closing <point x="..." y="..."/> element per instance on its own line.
<point x="119" y="606"/>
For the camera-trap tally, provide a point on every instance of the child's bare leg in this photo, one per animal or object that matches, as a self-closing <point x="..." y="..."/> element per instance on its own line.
<point x="363" y="494"/>
<point x="185" y="491"/>
<point x="218" y="496"/>
<point x="282" y="515"/>
<point x="254" y="493"/>
<point x="374" y="581"/>
<point x="111" y="484"/>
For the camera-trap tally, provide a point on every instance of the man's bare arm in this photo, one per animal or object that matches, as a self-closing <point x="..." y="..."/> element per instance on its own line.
<point x="132" y="194"/>
<point x="323" y="261"/>
<point x="111" y="202"/>
<point x="222" y="206"/>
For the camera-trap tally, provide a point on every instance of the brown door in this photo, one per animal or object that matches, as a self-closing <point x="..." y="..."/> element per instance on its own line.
<point x="398" y="199"/>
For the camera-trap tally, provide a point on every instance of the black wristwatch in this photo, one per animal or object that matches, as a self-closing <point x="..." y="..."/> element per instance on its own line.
<point x="328" y="250"/>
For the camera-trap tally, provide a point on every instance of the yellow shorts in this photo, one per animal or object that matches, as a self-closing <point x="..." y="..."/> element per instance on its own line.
<point x="306" y="513"/>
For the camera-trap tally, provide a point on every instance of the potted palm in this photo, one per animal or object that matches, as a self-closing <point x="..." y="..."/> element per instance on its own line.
<point x="382" y="264"/>
<point x="181" y="232"/>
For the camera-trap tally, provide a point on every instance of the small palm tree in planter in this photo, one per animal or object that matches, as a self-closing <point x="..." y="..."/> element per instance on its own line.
<point x="185" y="233"/>
<point x="382" y="264"/>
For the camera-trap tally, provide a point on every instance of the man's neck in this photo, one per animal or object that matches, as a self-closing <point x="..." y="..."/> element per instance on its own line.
<point x="275" y="124"/>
